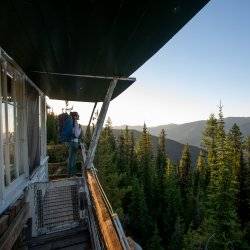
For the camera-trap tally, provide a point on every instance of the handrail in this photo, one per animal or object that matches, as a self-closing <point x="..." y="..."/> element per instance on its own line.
<point x="91" y="175"/>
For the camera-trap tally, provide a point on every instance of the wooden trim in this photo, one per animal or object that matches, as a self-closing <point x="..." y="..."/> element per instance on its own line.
<point x="104" y="218"/>
<point x="10" y="236"/>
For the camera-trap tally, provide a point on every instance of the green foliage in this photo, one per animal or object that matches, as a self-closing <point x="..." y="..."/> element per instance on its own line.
<point x="184" y="170"/>
<point x="106" y="162"/>
<point x="164" y="206"/>
<point x="52" y="128"/>
<point x="155" y="240"/>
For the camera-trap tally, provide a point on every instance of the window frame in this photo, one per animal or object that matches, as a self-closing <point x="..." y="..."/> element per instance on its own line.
<point x="20" y="163"/>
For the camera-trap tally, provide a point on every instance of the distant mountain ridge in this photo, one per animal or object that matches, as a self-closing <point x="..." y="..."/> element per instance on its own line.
<point x="191" y="132"/>
<point x="173" y="149"/>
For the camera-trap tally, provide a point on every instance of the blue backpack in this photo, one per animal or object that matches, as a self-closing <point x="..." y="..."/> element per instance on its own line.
<point x="65" y="127"/>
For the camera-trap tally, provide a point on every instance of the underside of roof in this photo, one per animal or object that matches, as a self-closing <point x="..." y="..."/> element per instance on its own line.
<point x="91" y="37"/>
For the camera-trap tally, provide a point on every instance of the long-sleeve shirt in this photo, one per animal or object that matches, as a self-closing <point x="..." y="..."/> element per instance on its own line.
<point x="77" y="130"/>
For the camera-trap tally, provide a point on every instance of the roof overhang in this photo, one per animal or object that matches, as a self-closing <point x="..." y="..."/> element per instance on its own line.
<point x="98" y="38"/>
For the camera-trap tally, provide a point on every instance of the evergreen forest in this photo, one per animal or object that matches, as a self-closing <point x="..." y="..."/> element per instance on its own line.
<point x="177" y="206"/>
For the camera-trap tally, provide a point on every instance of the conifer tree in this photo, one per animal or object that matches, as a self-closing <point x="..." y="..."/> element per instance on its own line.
<point x="184" y="170"/>
<point x="87" y="136"/>
<point x="52" y="128"/>
<point x="155" y="240"/>
<point x="171" y="204"/>
<point x="221" y="209"/>
<point x="130" y="141"/>
<point x="161" y="158"/>
<point x="139" y="220"/>
<point x="177" y="237"/>
<point x="208" y="143"/>
<point x="106" y="163"/>
<point x="201" y="174"/>
<point x="245" y="187"/>
<point x="244" y="191"/>
<point x="160" y="180"/>
<point x="185" y="182"/>
<point x="235" y="149"/>
<point x="145" y="165"/>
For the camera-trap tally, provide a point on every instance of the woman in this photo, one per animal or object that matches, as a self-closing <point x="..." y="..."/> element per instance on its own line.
<point x="74" y="144"/>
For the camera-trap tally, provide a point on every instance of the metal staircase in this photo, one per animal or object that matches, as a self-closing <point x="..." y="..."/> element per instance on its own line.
<point x="57" y="205"/>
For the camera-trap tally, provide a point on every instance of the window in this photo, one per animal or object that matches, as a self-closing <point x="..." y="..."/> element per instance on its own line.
<point x="12" y="91"/>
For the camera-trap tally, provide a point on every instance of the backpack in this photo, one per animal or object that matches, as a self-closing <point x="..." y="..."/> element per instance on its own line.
<point x="65" y="122"/>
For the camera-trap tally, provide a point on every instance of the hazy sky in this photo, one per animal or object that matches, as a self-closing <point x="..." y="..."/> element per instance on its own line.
<point x="207" y="60"/>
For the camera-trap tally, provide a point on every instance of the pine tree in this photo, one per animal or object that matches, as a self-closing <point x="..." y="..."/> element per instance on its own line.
<point x="185" y="182"/>
<point x="199" y="189"/>
<point x="184" y="170"/>
<point x="244" y="193"/>
<point x="88" y="136"/>
<point x="52" y="128"/>
<point x="106" y="163"/>
<point x="155" y="240"/>
<point x="160" y="180"/>
<point x="139" y="221"/>
<point x="245" y="187"/>
<point x="161" y="158"/>
<point x="177" y="237"/>
<point x="235" y="149"/>
<point x="201" y="174"/>
<point x="145" y="165"/>
<point x="208" y="143"/>
<point x="221" y="210"/>
<point x="171" y="205"/>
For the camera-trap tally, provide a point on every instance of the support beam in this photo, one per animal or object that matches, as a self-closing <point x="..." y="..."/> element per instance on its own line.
<point x="99" y="124"/>
<point x="90" y="119"/>
<point x="86" y="76"/>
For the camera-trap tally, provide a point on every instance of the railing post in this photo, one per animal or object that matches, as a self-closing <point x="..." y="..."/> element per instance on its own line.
<point x="99" y="124"/>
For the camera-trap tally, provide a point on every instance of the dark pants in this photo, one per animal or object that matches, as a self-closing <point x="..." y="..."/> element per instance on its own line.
<point x="73" y="147"/>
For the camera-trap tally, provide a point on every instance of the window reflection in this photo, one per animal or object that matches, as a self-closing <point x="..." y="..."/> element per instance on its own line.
<point x="12" y="161"/>
<point x="11" y="123"/>
<point x="3" y="123"/>
<point x="10" y="96"/>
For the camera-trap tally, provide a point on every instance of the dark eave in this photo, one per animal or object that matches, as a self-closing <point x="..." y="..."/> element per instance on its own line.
<point x="91" y="37"/>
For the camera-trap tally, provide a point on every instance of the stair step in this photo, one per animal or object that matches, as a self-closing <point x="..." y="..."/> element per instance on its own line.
<point x="77" y="238"/>
<point x="58" y="202"/>
<point x="57" y="215"/>
<point x="59" y="220"/>
<point x="57" y="209"/>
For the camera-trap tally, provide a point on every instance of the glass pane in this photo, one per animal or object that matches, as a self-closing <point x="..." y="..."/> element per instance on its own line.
<point x="19" y="92"/>
<point x="4" y="155"/>
<point x="3" y="123"/>
<point x="4" y="164"/>
<point x="11" y="123"/>
<point x="10" y="97"/>
<point x="13" y="172"/>
<point x="12" y="153"/>
<point x="20" y="160"/>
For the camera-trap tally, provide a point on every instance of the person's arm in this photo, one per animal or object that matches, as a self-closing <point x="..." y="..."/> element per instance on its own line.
<point x="77" y="130"/>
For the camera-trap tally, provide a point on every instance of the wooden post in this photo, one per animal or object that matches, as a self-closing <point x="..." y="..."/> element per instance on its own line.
<point x="99" y="124"/>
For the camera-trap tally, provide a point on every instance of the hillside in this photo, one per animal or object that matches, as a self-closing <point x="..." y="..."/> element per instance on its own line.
<point x="173" y="150"/>
<point x="192" y="132"/>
